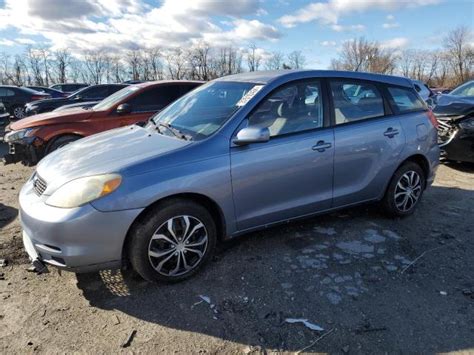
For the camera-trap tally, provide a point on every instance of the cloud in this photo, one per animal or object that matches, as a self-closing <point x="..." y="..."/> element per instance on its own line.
<point x="395" y="43"/>
<point x="330" y="12"/>
<point x="340" y="28"/>
<point x="6" y="42"/>
<point x="113" y="25"/>
<point x="328" y="43"/>
<point x="390" y="17"/>
<point x="391" y="25"/>
<point x="24" y="41"/>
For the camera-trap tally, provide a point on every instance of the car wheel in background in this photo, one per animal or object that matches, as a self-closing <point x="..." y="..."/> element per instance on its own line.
<point x="18" y="112"/>
<point x="59" y="142"/>
<point x="172" y="241"/>
<point x="405" y="190"/>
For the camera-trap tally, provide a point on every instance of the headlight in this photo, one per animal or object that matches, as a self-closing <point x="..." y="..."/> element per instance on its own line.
<point x="83" y="190"/>
<point x="18" y="135"/>
<point x="467" y="124"/>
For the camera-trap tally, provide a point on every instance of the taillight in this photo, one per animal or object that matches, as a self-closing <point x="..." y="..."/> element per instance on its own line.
<point x="433" y="119"/>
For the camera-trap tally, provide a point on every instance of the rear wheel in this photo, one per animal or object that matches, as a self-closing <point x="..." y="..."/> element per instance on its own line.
<point x="172" y="241"/>
<point x="405" y="190"/>
<point x="18" y="112"/>
<point x="60" y="142"/>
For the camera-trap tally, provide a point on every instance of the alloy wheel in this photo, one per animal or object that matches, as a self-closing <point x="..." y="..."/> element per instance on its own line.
<point x="19" y="112"/>
<point x="178" y="245"/>
<point x="408" y="191"/>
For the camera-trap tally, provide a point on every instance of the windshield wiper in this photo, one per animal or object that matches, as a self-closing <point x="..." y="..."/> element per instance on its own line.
<point x="176" y="132"/>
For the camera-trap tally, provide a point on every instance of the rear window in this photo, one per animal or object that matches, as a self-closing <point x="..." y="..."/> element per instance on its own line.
<point x="405" y="100"/>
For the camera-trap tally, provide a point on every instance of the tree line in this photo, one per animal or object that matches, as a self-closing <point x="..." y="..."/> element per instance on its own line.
<point x="447" y="66"/>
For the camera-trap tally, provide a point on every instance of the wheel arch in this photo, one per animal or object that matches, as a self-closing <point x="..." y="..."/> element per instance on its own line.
<point x="205" y="201"/>
<point x="52" y="139"/>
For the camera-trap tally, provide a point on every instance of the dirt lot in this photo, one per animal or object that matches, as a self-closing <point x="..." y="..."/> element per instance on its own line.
<point x="350" y="272"/>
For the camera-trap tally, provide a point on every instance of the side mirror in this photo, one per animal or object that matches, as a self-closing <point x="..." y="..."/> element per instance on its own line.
<point x="252" y="135"/>
<point x="123" y="109"/>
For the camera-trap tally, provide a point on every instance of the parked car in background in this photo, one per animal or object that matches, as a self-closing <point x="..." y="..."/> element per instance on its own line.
<point x="90" y="93"/>
<point x="84" y="105"/>
<point x="14" y="98"/>
<point x="238" y="154"/>
<point x="4" y="116"/>
<point x="51" y="92"/>
<point x="34" y="137"/>
<point x="423" y="90"/>
<point x="455" y="114"/>
<point x="68" y="88"/>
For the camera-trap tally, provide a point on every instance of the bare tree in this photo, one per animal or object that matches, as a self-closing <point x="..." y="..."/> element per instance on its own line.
<point x="275" y="61"/>
<point x="95" y="63"/>
<point x="362" y="55"/>
<point x="153" y="58"/>
<point x="296" y="60"/>
<point x="62" y="59"/>
<point x="176" y="60"/>
<point x="228" y="61"/>
<point x="33" y="58"/>
<point x="253" y="57"/>
<point x="461" y="52"/>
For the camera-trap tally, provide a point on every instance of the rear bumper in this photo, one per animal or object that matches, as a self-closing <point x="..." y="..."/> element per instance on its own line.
<point x="80" y="239"/>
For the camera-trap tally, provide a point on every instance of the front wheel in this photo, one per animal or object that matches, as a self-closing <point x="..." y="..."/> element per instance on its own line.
<point x="172" y="241"/>
<point x="405" y="190"/>
<point x="60" y="142"/>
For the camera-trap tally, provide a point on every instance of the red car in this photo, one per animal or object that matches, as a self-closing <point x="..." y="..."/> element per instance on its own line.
<point x="32" y="138"/>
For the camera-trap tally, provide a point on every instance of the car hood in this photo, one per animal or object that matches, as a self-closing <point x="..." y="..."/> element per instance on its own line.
<point x="108" y="152"/>
<point x="48" y="118"/>
<point x="450" y="105"/>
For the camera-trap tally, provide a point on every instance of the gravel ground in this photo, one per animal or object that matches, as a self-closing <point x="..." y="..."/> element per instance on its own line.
<point x="373" y="284"/>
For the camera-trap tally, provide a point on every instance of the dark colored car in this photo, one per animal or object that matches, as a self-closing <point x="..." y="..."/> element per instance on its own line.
<point x="33" y="137"/>
<point x="53" y="92"/>
<point x="14" y="98"/>
<point x="4" y="116"/>
<point x="455" y="114"/>
<point x="69" y="88"/>
<point x="90" y="93"/>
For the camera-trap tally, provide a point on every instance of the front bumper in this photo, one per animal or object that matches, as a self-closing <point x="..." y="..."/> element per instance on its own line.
<point x="27" y="150"/>
<point x="80" y="239"/>
<point x="455" y="142"/>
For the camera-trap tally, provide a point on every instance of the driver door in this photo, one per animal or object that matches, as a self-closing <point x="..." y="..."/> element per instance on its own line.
<point x="291" y="174"/>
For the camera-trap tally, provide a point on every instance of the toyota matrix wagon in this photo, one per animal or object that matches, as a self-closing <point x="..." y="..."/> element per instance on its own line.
<point x="238" y="154"/>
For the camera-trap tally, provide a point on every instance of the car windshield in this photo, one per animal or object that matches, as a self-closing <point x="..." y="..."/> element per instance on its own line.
<point x="115" y="98"/>
<point x="466" y="89"/>
<point x="204" y="110"/>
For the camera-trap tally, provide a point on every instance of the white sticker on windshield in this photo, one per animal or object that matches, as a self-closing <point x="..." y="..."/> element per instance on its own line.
<point x="248" y="96"/>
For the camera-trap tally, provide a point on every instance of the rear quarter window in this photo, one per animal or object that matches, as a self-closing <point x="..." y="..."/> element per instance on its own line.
<point x="405" y="100"/>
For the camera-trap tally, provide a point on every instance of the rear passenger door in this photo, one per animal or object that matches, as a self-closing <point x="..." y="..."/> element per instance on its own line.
<point x="368" y="140"/>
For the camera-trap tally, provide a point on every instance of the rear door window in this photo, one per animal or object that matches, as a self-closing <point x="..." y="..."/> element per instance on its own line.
<point x="155" y="99"/>
<point x="405" y="100"/>
<point x="95" y="92"/>
<point x="355" y="101"/>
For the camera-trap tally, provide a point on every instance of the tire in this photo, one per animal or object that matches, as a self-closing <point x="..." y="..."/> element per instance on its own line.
<point x="18" y="112"/>
<point x="157" y="256"/>
<point x="59" y="142"/>
<point x="405" y="190"/>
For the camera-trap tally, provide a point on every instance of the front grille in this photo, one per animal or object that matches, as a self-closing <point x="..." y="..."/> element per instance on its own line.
<point x="39" y="185"/>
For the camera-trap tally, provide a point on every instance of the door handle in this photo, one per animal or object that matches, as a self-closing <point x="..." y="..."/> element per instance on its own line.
<point x="390" y="132"/>
<point x="321" y="146"/>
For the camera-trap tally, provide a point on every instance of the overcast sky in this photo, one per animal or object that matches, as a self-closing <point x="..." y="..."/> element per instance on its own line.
<point x="317" y="28"/>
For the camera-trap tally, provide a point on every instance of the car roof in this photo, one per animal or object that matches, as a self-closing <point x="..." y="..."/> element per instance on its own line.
<point x="167" y="82"/>
<point x="265" y="77"/>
